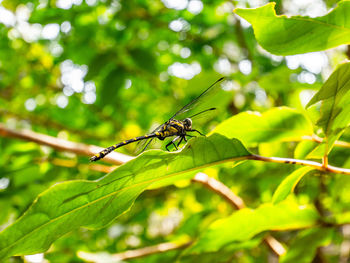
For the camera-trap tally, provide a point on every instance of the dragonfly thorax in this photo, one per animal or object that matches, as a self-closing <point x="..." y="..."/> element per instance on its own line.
<point x="187" y="124"/>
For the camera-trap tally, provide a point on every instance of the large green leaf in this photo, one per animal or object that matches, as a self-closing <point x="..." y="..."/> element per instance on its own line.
<point x="69" y="205"/>
<point x="245" y="223"/>
<point x="303" y="248"/>
<point x="282" y="35"/>
<point x="335" y="108"/>
<point x="288" y="184"/>
<point x="277" y="124"/>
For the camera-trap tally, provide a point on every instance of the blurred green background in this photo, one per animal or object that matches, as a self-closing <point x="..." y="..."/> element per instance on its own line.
<point x="100" y="71"/>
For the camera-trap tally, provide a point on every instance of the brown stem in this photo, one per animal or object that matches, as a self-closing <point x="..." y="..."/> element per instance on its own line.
<point x="318" y="139"/>
<point x="220" y="189"/>
<point x="316" y="165"/>
<point x="73" y="163"/>
<point x="62" y="145"/>
<point x="136" y="253"/>
<point x="274" y="245"/>
<point x="43" y="121"/>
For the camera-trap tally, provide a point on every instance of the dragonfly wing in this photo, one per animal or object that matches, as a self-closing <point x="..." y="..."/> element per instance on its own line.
<point x="213" y="89"/>
<point x="142" y="145"/>
<point x="145" y="145"/>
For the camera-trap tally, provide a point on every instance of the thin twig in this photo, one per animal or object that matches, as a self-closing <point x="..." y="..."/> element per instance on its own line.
<point x="220" y="189"/>
<point x="274" y="245"/>
<point x="44" y="121"/>
<point x="131" y="254"/>
<point x="73" y="163"/>
<point x="316" y="165"/>
<point x="318" y="139"/>
<point x="62" y="145"/>
<point x="145" y="251"/>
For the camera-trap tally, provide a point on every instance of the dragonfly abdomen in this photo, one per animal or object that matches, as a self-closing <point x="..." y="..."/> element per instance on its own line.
<point x="106" y="151"/>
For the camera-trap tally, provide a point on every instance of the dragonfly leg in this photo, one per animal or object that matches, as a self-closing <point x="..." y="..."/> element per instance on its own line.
<point x="182" y="138"/>
<point x="172" y="143"/>
<point x="197" y="131"/>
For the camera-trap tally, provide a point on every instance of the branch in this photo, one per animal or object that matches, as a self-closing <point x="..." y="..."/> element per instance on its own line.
<point x="315" y="138"/>
<point x="63" y="145"/>
<point x="44" y="121"/>
<point x="119" y="158"/>
<point x="316" y="165"/>
<point x="130" y="254"/>
<point x="274" y="245"/>
<point x="220" y="189"/>
<point x="73" y="163"/>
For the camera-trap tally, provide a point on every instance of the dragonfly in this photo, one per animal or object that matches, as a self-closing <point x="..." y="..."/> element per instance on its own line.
<point x="172" y="127"/>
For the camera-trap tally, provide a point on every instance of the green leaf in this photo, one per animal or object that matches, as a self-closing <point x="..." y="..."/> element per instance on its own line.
<point x="277" y="124"/>
<point x="310" y="239"/>
<point x="246" y="223"/>
<point x="288" y="184"/>
<point x="318" y="151"/>
<point x="335" y="107"/>
<point x="304" y="148"/>
<point x="70" y="205"/>
<point x="282" y="35"/>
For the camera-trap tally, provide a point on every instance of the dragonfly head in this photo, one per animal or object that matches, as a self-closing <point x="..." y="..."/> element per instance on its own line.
<point x="187" y="124"/>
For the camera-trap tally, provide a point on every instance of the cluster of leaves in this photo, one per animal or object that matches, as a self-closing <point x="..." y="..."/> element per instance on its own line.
<point x="125" y="43"/>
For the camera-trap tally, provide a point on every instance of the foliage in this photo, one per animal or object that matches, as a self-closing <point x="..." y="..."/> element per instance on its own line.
<point x="281" y="35"/>
<point x="246" y="223"/>
<point x="103" y="71"/>
<point x="284" y="123"/>
<point x="335" y="115"/>
<point x="103" y="200"/>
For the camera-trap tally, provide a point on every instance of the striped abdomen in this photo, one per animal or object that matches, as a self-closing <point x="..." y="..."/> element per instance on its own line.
<point x="106" y="151"/>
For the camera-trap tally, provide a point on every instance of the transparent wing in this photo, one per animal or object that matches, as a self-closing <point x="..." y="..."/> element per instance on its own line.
<point x="197" y="108"/>
<point x="205" y="101"/>
<point x="142" y="145"/>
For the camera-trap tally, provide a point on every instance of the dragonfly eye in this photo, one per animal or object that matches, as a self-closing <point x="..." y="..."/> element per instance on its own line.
<point x="187" y="123"/>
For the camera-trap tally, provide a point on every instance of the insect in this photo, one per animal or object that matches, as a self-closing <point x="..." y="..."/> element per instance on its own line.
<point x="173" y="127"/>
